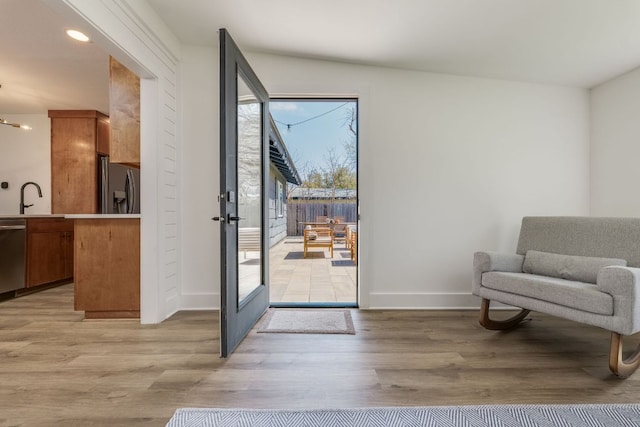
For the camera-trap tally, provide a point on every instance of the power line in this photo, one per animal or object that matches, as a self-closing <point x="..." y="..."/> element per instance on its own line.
<point x="290" y="125"/>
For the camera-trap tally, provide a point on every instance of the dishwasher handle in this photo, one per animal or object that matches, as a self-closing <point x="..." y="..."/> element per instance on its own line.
<point x="12" y="227"/>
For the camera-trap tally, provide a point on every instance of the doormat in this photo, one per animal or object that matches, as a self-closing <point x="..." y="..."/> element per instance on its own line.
<point x="308" y="322"/>
<point x="343" y="263"/>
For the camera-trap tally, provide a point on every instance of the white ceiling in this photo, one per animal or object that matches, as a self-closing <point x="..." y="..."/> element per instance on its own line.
<point x="567" y="42"/>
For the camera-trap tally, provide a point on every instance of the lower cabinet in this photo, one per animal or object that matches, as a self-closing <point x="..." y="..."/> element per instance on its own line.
<point x="107" y="268"/>
<point x="49" y="251"/>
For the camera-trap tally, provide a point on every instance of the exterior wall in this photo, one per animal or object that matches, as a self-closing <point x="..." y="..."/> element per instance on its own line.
<point x="277" y="221"/>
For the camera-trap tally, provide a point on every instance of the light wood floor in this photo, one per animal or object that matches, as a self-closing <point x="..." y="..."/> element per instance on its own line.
<point x="58" y="370"/>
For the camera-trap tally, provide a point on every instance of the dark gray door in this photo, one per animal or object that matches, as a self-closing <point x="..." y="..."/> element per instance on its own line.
<point x="244" y="112"/>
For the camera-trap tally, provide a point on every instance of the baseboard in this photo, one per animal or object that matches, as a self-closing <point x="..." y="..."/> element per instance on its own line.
<point x="172" y="302"/>
<point x="200" y="301"/>
<point x="377" y="301"/>
<point x="427" y="301"/>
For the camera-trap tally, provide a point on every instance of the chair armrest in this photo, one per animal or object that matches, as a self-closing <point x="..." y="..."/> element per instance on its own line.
<point x="623" y="283"/>
<point x="619" y="281"/>
<point x="494" y="261"/>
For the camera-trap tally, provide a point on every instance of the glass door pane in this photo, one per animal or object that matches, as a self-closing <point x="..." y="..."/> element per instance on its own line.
<point x="249" y="191"/>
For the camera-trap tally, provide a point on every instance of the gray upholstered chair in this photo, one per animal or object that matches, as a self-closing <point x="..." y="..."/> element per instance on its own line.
<point x="580" y="268"/>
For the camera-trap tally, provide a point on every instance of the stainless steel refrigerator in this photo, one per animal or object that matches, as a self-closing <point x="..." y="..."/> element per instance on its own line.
<point x="119" y="188"/>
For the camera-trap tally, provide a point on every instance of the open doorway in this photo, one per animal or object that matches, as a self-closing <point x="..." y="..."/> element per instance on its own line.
<point x="313" y="257"/>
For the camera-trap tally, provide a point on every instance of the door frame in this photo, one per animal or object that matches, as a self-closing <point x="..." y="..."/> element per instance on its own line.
<point x="334" y="97"/>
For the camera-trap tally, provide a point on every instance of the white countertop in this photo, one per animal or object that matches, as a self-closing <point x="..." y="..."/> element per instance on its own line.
<point x="27" y="216"/>
<point x="102" y="216"/>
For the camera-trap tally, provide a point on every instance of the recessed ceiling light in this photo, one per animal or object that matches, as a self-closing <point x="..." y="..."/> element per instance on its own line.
<point x="77" y="35"/>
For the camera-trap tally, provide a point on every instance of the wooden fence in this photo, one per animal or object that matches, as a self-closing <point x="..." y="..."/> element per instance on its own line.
<point x="300" y="211"/>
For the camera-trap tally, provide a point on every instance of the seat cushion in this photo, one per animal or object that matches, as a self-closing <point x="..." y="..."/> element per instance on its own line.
<point x="320" y="241"/>
<point x="577" y="295"/>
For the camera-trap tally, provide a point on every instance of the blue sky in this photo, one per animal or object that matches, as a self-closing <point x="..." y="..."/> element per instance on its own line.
<point x="308" y="142"/>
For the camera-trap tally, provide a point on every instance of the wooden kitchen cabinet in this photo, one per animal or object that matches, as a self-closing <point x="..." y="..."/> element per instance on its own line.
<point x="103" y="137"/>
<point x="75" y="137"/>
<point x="107" y="267"/>
<point x="49" y="251"/>
<point x="124" y="109"/>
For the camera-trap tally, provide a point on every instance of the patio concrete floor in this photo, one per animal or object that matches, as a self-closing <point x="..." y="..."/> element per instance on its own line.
<point x="317" y="278"/>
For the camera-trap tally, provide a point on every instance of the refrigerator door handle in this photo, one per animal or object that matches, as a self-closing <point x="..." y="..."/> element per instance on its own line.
<point x="130" y="189"/>
<point x="104" y="185"/>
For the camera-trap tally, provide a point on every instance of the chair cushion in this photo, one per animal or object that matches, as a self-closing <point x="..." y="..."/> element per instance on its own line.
<point x="569" y="267"/>
<point x="577" y="295"/>
<point x="323" y="239"/>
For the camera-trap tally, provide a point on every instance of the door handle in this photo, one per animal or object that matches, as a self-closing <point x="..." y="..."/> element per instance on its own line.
<point x="231" y="218"/>
<point x="12" y="227"/>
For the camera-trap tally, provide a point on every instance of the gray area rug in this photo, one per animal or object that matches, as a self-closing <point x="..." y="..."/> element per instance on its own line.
<point x="307" y="321"/>
<point x="616" y="415"/>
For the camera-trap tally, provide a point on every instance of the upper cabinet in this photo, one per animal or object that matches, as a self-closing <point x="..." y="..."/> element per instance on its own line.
<point x="75" y="138"/>
<point x="104" y="131"/>
<point x="124" y="113"/>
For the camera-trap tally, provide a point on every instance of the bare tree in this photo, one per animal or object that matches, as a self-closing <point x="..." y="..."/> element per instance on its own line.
<point x="351" y="120"/>
<point x="349" y="146"/>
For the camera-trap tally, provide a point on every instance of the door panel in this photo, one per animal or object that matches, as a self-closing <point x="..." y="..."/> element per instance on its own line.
<point x="244" y="112"/>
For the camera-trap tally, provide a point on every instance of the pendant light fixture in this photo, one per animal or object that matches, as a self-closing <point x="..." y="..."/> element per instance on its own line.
<point x="15" y="125"/>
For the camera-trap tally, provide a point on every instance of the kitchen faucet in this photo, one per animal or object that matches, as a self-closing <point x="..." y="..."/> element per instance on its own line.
<point x="22" y="205"/>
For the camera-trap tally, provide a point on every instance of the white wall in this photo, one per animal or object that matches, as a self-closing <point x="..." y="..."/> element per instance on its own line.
<point x="448" y="165"/>
<point x="26" y="156"/>
<point x="200" y="178"/>
<point x="615" y="146"/>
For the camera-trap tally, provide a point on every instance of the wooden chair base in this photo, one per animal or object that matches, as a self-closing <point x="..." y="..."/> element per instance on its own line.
<point x="619" y="366"/>
<point x="499" y="325"/>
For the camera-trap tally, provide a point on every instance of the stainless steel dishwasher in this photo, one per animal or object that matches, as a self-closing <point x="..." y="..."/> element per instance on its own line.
<point x="13" y="238"/>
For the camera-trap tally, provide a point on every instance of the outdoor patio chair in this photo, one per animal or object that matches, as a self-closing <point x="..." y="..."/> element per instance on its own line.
<point x="322" y="219"/>
<point x="353" y="244"/>
<point x="340" y="233"/>
<point x="249" y="239"/>
<point x="318" y="237"/>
